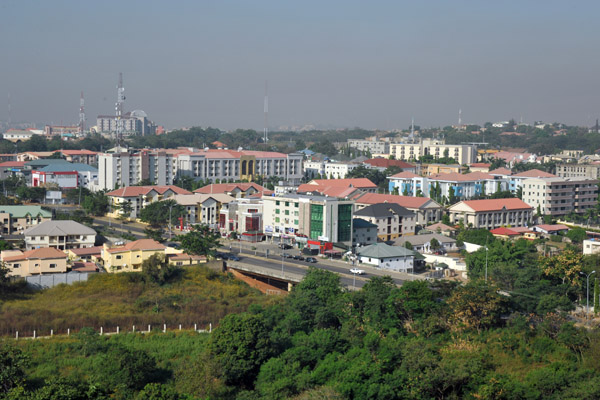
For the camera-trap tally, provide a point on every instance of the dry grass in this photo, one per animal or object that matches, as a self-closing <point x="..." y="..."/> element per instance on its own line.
<point x="199" y="296"/>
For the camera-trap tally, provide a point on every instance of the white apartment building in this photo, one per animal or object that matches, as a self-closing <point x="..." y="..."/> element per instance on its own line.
<point x="312" y="169"/>
<point x="591" y="246"/>
<point x="579" y="171"/>
<point x="327" y="219"/>
<point x="491" y="213"/>
<point x="560" y="196"/>
<point x="164" y="166"/>
<point x="462" y="153"/>
<point x="372" y="146"/>
<point x="62" y="235"/>
<point x="338" y="170"/>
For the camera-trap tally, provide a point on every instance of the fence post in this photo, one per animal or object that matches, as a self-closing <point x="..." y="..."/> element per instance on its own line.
<point x="164" y="328"/>
<point x="148" y="328"/>
<point x="133" y="329"/>
<point x="68" y="331"/>
<point x="51" y="332"/>
<point x="117" y="330"/>
<point x="34" y="333"/>
<point x="179" y="326"/>
<point x="196" y="327"/>
<point x="101" y="331"/>
<point x="17" y="335"/>
<point x="210" y="327"/>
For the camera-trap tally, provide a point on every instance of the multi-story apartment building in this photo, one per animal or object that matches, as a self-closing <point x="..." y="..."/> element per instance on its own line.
<point x="15" y="219"/>
<point x="462" y="153"/>
<point x="314" y="169"/>
<point x="339" y="170"/>
<point x="34" y="262"/>
<point x="463" y="186"/>
<point x="491" y="213"/>
<point x="164" y="166"/>
<point x="322" y="218"/>
<point x="426" y="210"/>
<point x="372" y="146"/>
<point x="391" y="219"/>
<point x="62" y="235"/>
<point x="560" y="196"/>
<point x="134" y="123"/>
<point x="202" y="208"/>
<point x="140" y="196"/>
<point x="579" y="171"/>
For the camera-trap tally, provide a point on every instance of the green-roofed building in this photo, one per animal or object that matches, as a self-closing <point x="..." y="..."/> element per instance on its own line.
<point x="15" y="219"/>
<point x="394" y="258"/>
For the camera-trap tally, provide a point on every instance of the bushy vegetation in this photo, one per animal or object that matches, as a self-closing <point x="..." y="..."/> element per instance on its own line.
<point x="420" y="341"/>
<point x="187" y="296"/>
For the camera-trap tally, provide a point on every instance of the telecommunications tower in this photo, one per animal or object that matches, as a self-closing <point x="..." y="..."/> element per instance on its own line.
<point x="119" y="109"/>
<point x="81" y="114"/>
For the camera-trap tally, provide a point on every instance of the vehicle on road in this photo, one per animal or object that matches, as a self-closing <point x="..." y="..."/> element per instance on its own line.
<point x="222" y="256"/>
<point x="299" y="258"/>
<point x="286" y="255"/>
<point x="285" y="246"/>
<point x="357" y="271"/>
<point x="311" y="260"/>
<point x="234" y="258"/>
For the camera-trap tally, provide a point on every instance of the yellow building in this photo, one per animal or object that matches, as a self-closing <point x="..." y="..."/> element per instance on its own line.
<point x="434" y="169"/>
<point x="45" y="260"/>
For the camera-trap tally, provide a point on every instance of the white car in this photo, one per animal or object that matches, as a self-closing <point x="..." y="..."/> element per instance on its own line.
<point x="357" y="271"/>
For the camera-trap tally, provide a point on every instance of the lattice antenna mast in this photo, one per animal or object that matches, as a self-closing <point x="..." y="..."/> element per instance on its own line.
<point x="459" y="118"/>
<point x="119" y="109"/>
<point x="81" y="114"/>
<point x="266" y="129"/>
<point x="412" y="130"/>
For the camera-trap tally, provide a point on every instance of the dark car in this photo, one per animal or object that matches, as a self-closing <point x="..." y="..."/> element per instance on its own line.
<point x="222" y="256"/>
<point x="311" y="260"/>
<point x="234" y="258"/>
<point x="299" y="258"/>
<point x="285" y="246"/>
<point x="286" y="255"/>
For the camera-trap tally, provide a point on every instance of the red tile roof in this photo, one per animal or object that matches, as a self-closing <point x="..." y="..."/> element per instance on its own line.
<point x="535" y="173"/>
<point x="504" y="232"/>
<point x="496" y="204"/>
<point x="386" y="163"/>
<point x="78" y="152"/>
<point x="80" y="266"/>
<point x="86" y="251"/>
<point x="405" y="175"/>
<point x="480" y="165"/>
<point x="228" y="187"/>
<point x="456" y="177"/>
<point x="134" y="191"/>
<point x="553" y="228"/>
<point x="500" y="171"/>
<point x="404" y="201"/>
<point x="142" y="244"/>
<point x="41" y="253"/>
<point x="12" y="164"/>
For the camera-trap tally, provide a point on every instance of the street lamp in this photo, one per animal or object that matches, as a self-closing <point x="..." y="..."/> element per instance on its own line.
<point x="354" y="280"/>
<point x="282" y="264"/>
<point x="486" y="258"/>
<point x="588" y="289"/>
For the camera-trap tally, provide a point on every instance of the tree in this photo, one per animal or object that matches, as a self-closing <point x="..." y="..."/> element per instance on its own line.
<point x="577" y="235"/>
<point x="157" y="391"/>
<point x="13" y="364"/>
<point x="125" y="208"/>
<point x="154" y="234"/>
<point x="95" y="204"/>
<point x="476" y="236"/>
<point x="451" y="195"/>
<point x="434" y="244"/>
<point x="476" y="305"/>
<point x="240" y="345"/>
<point x="408" y="245"/>
<point x="200" y="241"/>
<point x="157" y="214"/>
<point x="35" y="194"/>
<point x="158" y="270"/>
<point x="123" y="369"/>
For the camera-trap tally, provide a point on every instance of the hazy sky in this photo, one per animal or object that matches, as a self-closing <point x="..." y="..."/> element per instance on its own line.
<point x="372" y="64"/>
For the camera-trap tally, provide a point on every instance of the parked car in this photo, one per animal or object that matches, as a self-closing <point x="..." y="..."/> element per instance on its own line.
<point x="234" y="258"/>
<point x="221" y="256"/>
<point x="285" y="246"/>
<point x="286" y="255"/>
<point x="311" y="260"/>
<point x="357" y="271"/>
<point x="299" y="258"/>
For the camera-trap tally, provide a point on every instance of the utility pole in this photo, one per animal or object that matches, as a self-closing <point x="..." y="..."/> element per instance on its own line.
<point x="486" y="258"/>
<point x="587" y="310"/>
<point x="170" y="210"/>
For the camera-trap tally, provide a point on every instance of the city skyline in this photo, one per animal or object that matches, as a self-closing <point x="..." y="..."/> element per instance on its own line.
<point x="339" y="64"/>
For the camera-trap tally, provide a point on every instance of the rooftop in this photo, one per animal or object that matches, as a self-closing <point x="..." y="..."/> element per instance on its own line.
<point x="382" y="210"/>
<point x="404" y="201"/>
<point x="228" y="187"/>
<point x="59" y="228"/>
<point x="535" y="173"/>
<point x="134" y="191"/>
<point x="382" y="250"/>
<point x="386" y="163"/>
<point x="494" y="204"/>
<point x="142" y="244"/>
<point x="41" y="253"/>
<point x="21" y="211"/>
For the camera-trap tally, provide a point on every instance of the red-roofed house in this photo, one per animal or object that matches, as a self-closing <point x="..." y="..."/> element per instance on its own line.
<point x="321" y="185"/>
<point x="141" y="196"/>
<point x="44" y="260"/>
<point x="491" y="213"/>
<point x="426" y="210"/>
<point x="548" y="229"/>
<point x="80" y="156"/>
<point x="504" y="233"/>
<point x="130" y="256"/>
<point x="480" y="167"/>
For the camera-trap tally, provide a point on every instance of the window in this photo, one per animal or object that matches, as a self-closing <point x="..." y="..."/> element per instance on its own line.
<point x="277" y="211"/>
<point x="287" y="203"/>
<point x="277" y="219"/>
<point x="52" y="265"/>
<point x="17" y="265"/>
<point x="119" y="257"/>
<point x="296" y="205"/>
<point x="277" y="202"/>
